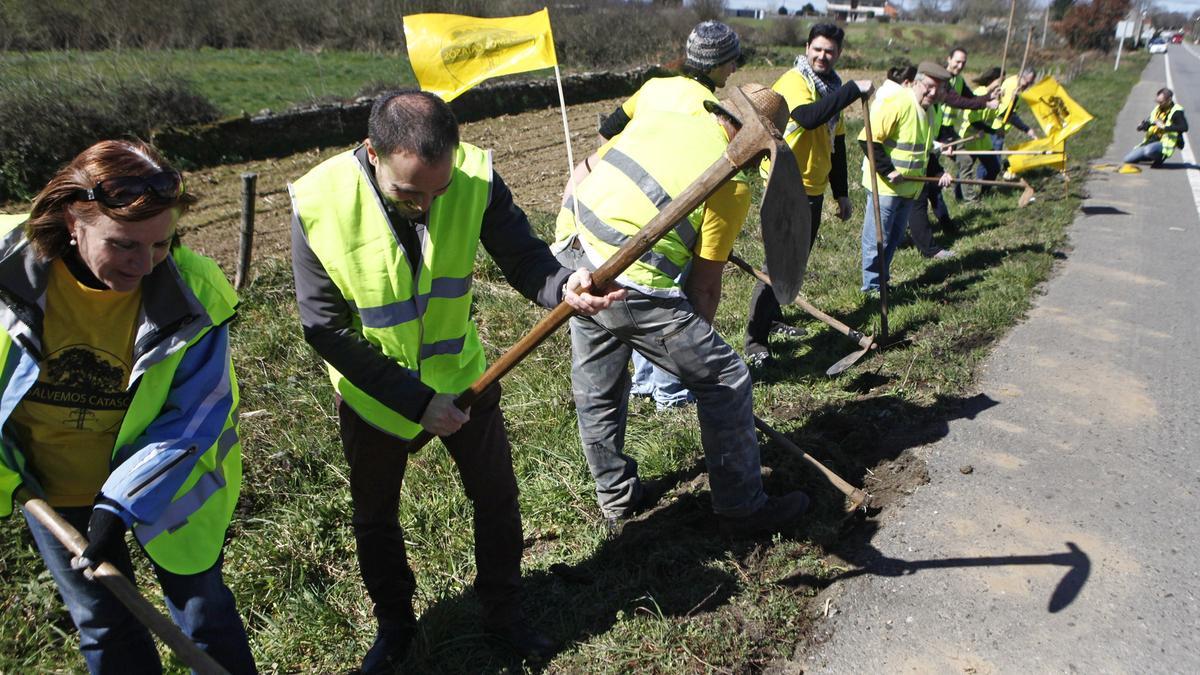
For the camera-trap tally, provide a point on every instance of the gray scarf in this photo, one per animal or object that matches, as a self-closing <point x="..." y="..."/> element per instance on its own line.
<point x="824" y="85"/>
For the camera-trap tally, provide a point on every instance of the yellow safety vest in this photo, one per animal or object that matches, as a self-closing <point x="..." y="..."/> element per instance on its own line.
<point x="1008" y="100"/>
<point x="677" y="94"/>
<point x="188" y="536"/>
<point x="951" y="117"/>
<point x="422" y="319"/>
<point x="813" y="148"/>
<point x="1171" y="139"/>
<point x="642" y="171"/>
<point x="907" y="146"/>
<point x="985" y="115"/>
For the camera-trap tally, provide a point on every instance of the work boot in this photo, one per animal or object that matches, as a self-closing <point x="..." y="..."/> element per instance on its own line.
<point x="387" y="654"/>
<point x="524" y="640"/>
<point x="776" y="514"/>
<point x="787" y="330"/>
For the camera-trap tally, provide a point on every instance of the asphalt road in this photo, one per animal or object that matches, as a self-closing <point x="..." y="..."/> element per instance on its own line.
<point x="1072" y="546"/>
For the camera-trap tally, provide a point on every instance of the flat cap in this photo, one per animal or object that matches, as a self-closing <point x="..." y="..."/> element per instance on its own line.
<point x="934" y="70"/>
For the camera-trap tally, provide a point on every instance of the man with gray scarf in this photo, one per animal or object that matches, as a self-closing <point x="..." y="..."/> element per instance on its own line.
<point x="816" y="97"/>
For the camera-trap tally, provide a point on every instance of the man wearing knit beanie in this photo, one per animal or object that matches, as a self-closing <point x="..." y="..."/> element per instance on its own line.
<point x="712" y="55"/>
<point x="711" y="45"/>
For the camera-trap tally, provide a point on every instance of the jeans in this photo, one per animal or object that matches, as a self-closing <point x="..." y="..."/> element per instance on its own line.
<point x="481" y="453"/>
<point x="112" y="640"/>
<point x="650" y="380"/>
<point x="1147" y="152"/>
<point x="764" y="308"/>
<point x="669" y="333"/>
<point x="893" y="210"/>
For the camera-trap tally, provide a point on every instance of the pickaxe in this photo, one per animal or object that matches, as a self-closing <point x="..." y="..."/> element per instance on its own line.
<point x="121" y="587"/>
<point x="1027" y="194"/>
<point x="866" y="342"/>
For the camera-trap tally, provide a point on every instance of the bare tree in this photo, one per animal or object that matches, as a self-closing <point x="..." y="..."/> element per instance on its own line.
<point x="707" y="10"/>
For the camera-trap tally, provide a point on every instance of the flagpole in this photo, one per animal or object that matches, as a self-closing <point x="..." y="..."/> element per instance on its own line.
<point x="562" y="107"/>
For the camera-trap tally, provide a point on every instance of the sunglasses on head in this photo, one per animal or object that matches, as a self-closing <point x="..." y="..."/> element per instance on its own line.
<point x="125" y="190"/>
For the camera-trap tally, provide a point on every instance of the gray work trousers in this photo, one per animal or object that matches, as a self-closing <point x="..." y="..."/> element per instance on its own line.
<point x="669" y="333"/>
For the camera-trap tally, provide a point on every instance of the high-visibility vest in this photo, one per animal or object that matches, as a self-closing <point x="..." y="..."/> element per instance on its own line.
<point x="907" y="146"/>
<point x="952" y="117"/>
<point x="188" y="536"/>
<point x="1170" y="139"/>
<point x="813" y="148"/>
<point x="420" y="319"/>
<point x="985" y="115"/>
<point x="677" y="94"/>
<point x="645" y="168"/>
<point x="1008" y="100"/>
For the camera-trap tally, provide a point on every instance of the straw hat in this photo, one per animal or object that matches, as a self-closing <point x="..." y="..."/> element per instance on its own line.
<point x="768" y="102"/>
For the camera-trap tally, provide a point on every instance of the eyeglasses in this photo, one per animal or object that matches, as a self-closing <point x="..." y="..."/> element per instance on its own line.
<point x="125" y="190"/>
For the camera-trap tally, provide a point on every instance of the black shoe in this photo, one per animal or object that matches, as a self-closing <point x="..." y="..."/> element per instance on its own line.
<point x="787" y="330"/>
<point x="776" y="514"/>
<point x="524" y="640"/>
<point x="392" y="642"/>
<point x="757" y="356"/>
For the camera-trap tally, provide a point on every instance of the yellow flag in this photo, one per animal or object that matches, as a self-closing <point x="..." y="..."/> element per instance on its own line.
<point x="451" y="53"/>
<point x="1022" y="163"/>
<point x="1057" y="113"/>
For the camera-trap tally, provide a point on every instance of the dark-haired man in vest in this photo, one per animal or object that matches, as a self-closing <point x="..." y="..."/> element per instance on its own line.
<point x="383" y="249"/>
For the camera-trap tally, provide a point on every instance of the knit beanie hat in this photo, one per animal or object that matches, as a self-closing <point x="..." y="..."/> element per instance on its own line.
<point x="711" y="44"/>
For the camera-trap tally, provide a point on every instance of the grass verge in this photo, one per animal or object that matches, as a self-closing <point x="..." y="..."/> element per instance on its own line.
<point x="667" y="595"/>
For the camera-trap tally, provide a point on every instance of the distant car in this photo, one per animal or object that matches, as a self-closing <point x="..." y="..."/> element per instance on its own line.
<point x="1177" y="38"/>
<point x="1158" y="46"/>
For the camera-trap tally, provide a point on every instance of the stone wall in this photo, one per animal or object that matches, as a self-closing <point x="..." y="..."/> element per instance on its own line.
<point x="277" y="135"/>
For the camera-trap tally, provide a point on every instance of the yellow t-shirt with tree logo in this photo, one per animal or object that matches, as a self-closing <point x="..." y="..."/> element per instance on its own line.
<point x="68" y="421"/>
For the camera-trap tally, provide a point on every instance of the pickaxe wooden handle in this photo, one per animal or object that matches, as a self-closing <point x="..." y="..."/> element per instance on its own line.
<point x="755" y="138"/>
<point x="1005" y="152"/>
<point x="1027" y="193"/>
<point x="864" y="341"/>
<point x="123" y="588"/>
<point x="857" y="497"/>
<point x="968" y="139"/>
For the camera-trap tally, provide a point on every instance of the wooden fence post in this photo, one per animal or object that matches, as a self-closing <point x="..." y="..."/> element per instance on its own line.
<point x="249" y="181"/>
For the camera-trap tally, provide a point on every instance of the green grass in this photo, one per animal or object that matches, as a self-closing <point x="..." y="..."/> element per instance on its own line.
<point x="667" y="595"/>
<point x="235" y="80"/>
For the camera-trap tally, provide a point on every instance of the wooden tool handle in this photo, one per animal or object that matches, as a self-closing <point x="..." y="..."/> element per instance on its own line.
<point x="864" y="341"/>
<point x="857" y="496"/>
<point x="972" y="181"/>
<point x="880" y="244"/>
<point x="123" y="588"/>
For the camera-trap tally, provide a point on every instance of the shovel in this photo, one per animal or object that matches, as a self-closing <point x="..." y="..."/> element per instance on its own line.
<point x="1027" y="194"/>
<point x="756" y="137"/>
<point x="121" y="587"/>
<point x="866" y="342"/>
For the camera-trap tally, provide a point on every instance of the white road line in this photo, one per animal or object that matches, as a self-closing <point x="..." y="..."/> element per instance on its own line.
<point x="1188" y="155"/>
